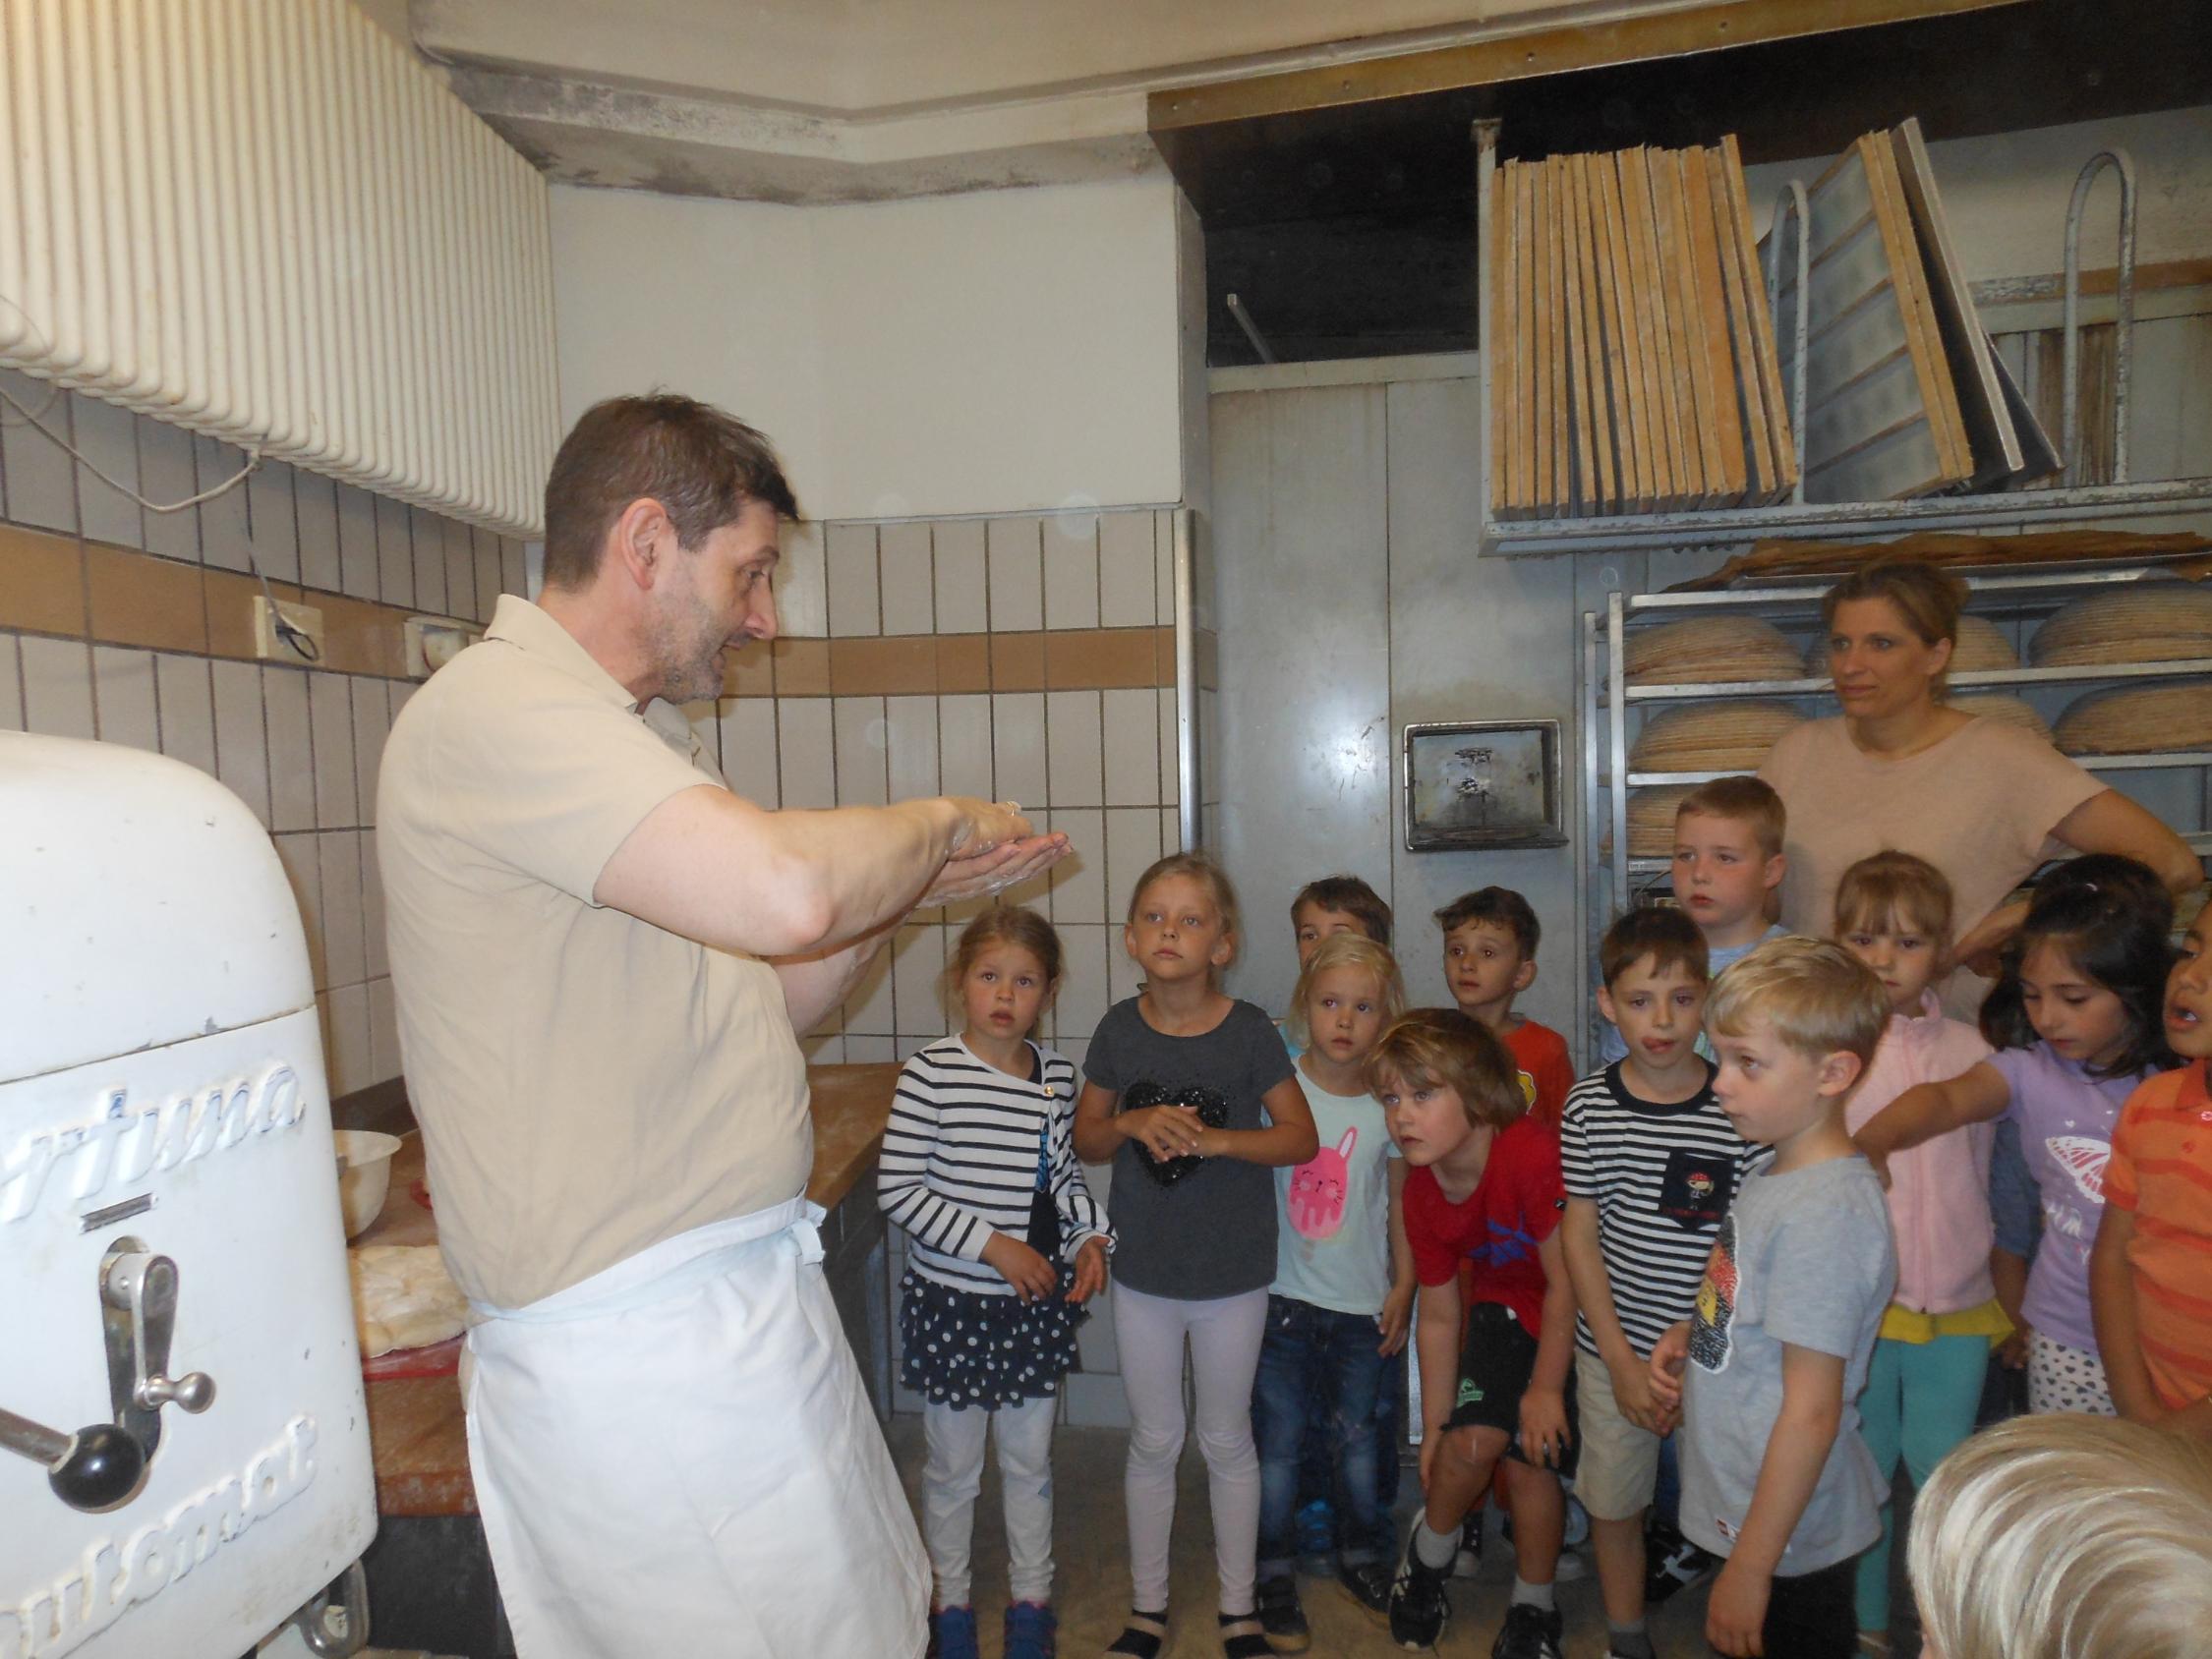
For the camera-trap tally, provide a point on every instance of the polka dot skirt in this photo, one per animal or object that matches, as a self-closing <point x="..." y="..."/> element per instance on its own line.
<point x="962" y="1348"/>
<point x="2066" y="1379"/>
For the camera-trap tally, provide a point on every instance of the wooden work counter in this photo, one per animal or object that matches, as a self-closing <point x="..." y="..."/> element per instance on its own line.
<point x="415" y="1430"/>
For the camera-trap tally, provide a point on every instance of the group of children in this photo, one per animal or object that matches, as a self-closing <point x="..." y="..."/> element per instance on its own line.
<point x="1757" y="1241"/>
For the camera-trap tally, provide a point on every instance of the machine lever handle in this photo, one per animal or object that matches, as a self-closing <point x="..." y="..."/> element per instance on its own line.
<point x="95" y="1469"/>
<point x="195" y="1392"/>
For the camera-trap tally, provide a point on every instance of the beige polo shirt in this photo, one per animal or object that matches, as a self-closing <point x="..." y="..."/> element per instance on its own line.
<point x="587" y="1084"/>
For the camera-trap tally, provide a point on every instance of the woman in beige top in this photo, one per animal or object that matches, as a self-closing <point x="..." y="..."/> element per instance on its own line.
<point x="1983" y="801"/>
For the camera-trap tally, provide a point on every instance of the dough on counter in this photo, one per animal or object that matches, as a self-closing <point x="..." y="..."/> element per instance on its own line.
<point x="403" y="1297"/>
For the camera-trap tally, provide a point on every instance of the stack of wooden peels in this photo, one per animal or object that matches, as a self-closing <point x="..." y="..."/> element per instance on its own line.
<point x="1634" y="364"/>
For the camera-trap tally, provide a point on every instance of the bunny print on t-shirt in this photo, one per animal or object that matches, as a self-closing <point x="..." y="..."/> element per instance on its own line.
<point x="1318" y="1188"/>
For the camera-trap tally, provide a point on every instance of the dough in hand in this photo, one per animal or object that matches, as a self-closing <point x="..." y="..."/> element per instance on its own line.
<point x="403" y="1297"/>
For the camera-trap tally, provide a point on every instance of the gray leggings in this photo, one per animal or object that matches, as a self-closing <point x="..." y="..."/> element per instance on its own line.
<point x="1224" y="1335"/>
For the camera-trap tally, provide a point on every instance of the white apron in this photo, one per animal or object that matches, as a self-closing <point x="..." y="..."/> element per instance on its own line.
<point x="677" y="1456"/>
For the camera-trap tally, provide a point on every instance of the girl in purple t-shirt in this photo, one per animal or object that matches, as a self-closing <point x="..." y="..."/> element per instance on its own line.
<point x="2077" y="1021"/>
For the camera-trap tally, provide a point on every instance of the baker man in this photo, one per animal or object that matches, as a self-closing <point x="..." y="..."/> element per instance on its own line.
<point x="601" y="957"/>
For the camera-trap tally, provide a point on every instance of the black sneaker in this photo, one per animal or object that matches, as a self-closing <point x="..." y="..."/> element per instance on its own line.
<point x="1418" y="1608"/>
<point x="1673" y="1564"/>
<point x="1468" y="1562"/>
<point x="1282" y="1618"/>
<point x="1530" y="1633"/>
<point x="1369" y="1584"/>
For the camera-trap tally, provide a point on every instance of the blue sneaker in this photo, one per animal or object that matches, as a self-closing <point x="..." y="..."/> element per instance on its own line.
<point x="1316" y="1527"/>
<point x="951" y="1634"/>
<point x="1030" y="1631"/>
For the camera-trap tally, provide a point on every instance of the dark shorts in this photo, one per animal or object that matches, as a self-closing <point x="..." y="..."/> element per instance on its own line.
<point x="1495" y="1368"/>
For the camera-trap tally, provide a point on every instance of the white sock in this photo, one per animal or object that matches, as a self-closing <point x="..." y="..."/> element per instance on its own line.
<point x="1431" y="1548"/>
<point x="1536" y="1595"/>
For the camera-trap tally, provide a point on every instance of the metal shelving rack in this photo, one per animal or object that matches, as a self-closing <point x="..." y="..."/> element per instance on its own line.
<point x="1614" y="878"/>
<point x="1608" y="879"/>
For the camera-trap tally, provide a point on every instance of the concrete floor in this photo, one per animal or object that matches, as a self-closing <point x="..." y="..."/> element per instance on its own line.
<point x="1091" y="1548"/>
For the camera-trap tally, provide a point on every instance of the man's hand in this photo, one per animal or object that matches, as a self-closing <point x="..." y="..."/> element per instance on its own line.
<point x="1091" y="1272"/>
<point x="1632" y="1394"/>
<point x="1735" y="1616"/>
<point x="981" y="867"/>
<point x="1032" y="1277"/>
<point x="1544" y="1426"/>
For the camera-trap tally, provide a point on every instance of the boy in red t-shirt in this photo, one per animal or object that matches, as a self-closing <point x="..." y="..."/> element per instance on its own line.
<point x="1485" y="1188"/>
<point x="1489" y="958"/>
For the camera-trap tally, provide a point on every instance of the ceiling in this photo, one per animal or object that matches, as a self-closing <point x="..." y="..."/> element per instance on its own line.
<point x="1351" y="232"/>
<point x="1344" y="218"/>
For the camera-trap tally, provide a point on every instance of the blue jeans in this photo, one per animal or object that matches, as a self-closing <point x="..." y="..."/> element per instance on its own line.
<point x="1311" y="1356"/>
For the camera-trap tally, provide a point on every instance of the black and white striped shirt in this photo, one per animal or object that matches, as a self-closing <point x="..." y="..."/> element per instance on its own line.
<point x="1661" y="1176"/>
<point x="960" y="1154"/>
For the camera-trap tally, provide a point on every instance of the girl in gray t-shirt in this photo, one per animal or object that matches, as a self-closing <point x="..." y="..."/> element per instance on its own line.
<point x="1191" y="1093"/>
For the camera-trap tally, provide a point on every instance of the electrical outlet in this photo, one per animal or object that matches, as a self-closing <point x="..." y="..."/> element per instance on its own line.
<point x="300" y="618"/>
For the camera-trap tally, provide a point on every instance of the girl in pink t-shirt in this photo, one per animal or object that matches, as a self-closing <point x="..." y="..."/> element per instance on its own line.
<point x="1893" y="911"/>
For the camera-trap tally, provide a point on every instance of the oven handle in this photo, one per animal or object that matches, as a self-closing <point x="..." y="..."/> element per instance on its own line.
<point x="95" y="1469"/>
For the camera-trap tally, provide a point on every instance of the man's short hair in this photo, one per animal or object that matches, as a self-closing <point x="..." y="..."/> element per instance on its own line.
<point x="1661" y="932"/>
<point x="1353" y="898"/>
<point x="1819" y="997"/>
<point x="701" y="464"/>
<point x="1442" y="1047"/>
<point x="1743" y="800"/>
<point x="1496" y="907"/>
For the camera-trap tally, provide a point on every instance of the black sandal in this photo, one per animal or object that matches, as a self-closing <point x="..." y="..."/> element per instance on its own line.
<point x="1244" y="1638"/>
<point x="1141" y="1637"/>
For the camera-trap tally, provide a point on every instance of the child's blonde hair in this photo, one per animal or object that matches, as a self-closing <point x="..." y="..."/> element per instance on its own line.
<point x="1205" y="870"/>
<point x="1005" y="924"/>
<point x="1433" y="1047"/>
<point x="1819" y="997"/>
<point x="1347" y="950"/>
<point x="1889" y="891"/>
<point x="2066" y="1536"/>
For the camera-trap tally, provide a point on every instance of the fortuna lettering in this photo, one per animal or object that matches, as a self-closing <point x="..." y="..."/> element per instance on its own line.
<point x="119" y="1574"/>
<point x="122" y="1144"/>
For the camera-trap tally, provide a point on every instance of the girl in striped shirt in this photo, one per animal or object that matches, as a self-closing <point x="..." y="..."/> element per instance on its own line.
<point x="1007" y="1245"/>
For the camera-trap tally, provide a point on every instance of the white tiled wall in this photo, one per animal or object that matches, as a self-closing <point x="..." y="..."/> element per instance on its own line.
<point x="300" y="747"/>
<point x="1097" y="765"/>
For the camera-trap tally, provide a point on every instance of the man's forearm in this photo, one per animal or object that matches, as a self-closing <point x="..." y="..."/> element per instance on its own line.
<point x="814" y="985"/>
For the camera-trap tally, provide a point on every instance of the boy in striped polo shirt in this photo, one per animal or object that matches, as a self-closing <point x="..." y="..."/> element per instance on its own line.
<point x="1650" y="1163"/>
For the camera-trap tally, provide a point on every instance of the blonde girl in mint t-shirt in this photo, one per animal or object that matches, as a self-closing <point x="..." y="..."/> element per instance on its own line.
<point x="1344" y="1285"/>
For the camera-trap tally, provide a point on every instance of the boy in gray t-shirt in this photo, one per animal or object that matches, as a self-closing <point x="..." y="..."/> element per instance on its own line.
<point x="1765" y="1374"/>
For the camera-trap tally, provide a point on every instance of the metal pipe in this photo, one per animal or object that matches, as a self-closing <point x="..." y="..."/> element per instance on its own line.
<point x="1251" y="329"/>
<point x="1790" y="207"/>
<point x="43" y="1446"/>
<point x="1188" y="788"/>
<point x="2124" y="328"/>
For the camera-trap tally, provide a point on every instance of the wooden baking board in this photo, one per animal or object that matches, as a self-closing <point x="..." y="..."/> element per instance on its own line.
<point x="1759" y="441"/>
<point x="1534" y="416"/>
<point x="1634" y="168"/>
<point x="1684" y="293"/>
<point x="1869" y="432"/>
<point x="1992" y="433"/>
<point x="1505" y="342"/>
<point x="1705" y="251"/>
<point x="1661" y="184"/>
<point x="1568" y="251"/>
<point x="1910" y="273"/>
<point x="1566" y="479"/>
<point x="1603" y="199"/>
<point x="1590" y="352"/>
<point x="1635" y="360"/>
<point x="1766" y="342"/>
